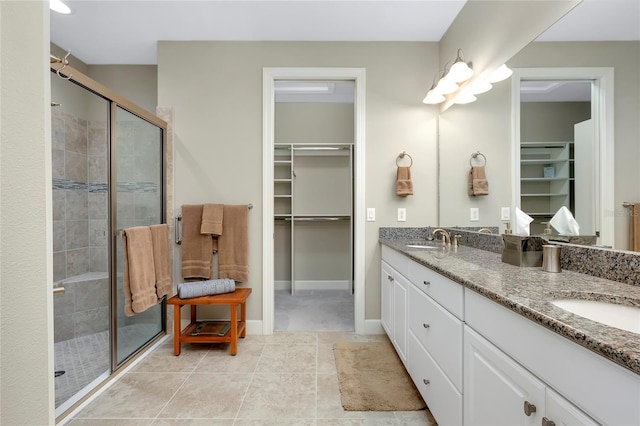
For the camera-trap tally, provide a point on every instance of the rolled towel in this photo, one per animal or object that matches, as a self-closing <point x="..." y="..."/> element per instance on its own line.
<point x="404" y="186"/>
<point x="206" y="288"/>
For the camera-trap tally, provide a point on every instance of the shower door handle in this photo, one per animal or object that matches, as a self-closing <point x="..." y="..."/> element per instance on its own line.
<point x="58" y="291"/>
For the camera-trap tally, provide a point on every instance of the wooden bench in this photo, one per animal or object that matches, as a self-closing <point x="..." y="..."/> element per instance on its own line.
<point x="238" y="328"/>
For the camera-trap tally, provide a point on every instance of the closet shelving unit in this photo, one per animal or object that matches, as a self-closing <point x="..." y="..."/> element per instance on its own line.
<point x="541" y="195"/>
<point x="313" y="187"/>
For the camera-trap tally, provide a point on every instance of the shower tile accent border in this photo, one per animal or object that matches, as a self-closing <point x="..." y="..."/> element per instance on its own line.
<point x="614" y="265"/>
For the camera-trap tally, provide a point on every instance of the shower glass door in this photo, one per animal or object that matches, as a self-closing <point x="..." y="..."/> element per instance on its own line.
<point x="139" y="201"/>
<point x="80" y="172"/>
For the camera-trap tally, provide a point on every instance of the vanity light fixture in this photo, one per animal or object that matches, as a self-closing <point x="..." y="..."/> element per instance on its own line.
<point x="59" y="6"/>
<point x="480" y="87"/>
<point x="464" y="98"/>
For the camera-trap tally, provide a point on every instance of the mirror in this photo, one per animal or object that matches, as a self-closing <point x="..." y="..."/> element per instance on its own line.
<point x="486" y="126"/>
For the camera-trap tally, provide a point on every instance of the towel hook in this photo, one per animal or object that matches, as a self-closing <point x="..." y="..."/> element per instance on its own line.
<point x="401" y="156"/>
<point x="475" y="156"/>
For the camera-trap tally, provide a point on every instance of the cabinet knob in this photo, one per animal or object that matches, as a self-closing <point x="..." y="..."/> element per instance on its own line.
<point x="425" y="381"/>
<point x="529" y="408"/>
<point x="426" y="282"/>
<point x="425" y="325"/>
<point x="390" y="278"/>
<point x="547" y="422"/>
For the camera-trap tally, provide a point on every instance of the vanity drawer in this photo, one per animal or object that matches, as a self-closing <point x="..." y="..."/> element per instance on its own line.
<point x="442" y="397"/>
<point x="396" y="260"/>
<point x="439" y="332"/>
<point x="446" y="292"/>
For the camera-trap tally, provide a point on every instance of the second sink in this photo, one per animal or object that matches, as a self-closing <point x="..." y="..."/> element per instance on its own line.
<point x="618" y="316"/>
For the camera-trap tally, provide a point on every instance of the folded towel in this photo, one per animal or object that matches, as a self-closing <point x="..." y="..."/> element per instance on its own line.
<point x="161" y="259"/>
<point x="404" y="186"/>
<point x="634" y="228"/>
<point x="233" y="244"/>
<point x="197" y="249"/>
<point x="139" y="281"/>
<point x="478" y="184"/>
<point x="212" y="215"/>
<point x="205" y="288"/>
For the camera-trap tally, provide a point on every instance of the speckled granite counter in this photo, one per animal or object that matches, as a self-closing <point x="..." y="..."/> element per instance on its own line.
<point x="528" y="292"/>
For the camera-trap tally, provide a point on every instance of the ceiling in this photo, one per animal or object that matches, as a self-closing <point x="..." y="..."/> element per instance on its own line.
<point x="126" y="32"/>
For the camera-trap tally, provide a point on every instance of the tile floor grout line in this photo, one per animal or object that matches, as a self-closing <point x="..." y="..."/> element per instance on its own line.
<point x="244" y="394"/>
<point x="182" y="384"/>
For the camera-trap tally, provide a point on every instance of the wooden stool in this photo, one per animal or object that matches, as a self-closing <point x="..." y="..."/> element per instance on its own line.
<point x="238" y="328"/>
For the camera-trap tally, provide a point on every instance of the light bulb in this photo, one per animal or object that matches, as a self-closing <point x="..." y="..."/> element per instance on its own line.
<point x="433" y="97"/>
<point x="501" y="73"/>
<point x="459" y="71"/>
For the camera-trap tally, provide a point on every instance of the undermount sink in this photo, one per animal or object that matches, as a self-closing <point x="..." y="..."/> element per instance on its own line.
<point x="618" y="316"/>
<point x="419" y="246"/>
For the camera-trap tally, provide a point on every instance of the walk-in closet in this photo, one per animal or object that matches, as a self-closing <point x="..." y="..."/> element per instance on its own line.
<point x="313" y="205"/>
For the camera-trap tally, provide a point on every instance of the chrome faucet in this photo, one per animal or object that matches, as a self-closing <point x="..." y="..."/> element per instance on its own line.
<point x="446" y="238"/>
<point x="485" y="231"/>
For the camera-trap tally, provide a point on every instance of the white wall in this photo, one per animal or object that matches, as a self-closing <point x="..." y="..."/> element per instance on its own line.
<point x="26" y="300"/>
<point x="218" y="130"/>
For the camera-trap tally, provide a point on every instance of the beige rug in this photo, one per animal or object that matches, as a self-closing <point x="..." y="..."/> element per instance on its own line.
<point x="373" y="378"/>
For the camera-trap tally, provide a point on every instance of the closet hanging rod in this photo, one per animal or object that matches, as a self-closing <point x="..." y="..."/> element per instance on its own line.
<point x="315" y="218"/>
<point x="319" y="148"/>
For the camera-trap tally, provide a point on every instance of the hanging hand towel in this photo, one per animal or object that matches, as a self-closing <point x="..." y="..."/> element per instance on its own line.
<point x="478" y="184"/>
<point x="233" y="244"/>
<point x="212" y="215"/>
<point x="404" y="186"/>
<point x="634" y="228"/>
<point x="139" y="278"/>
<point x="197" y="249"/>
<point x="161" y="259"/>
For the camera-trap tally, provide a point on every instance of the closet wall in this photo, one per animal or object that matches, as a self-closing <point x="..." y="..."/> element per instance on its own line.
<point x="312" y="252"/>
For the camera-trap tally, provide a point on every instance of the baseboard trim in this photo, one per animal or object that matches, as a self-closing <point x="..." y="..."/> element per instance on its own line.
<point x="373" y="327"/>
<point x="314" y="285"/>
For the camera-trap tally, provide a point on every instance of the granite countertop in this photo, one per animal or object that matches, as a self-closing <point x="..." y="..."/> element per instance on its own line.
<point x="529" y="290"/>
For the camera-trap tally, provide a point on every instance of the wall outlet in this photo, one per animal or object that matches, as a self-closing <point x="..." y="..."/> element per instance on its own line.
<point x="474" y="214"/>
<point x="402" y="214"/>
<point x="505" y="213"/>
<point x="371" y="214"/>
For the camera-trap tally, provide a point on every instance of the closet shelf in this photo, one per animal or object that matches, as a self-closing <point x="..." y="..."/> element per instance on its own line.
<point x="557" y="194"/>
<point x="542" y="179"/>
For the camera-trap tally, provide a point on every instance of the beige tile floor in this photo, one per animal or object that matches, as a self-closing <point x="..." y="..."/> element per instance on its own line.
<point x="288" y="378"/>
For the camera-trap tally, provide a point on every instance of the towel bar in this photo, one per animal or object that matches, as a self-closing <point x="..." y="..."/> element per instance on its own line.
<point x="178" y="227"/>
<point x="627" y="204"/>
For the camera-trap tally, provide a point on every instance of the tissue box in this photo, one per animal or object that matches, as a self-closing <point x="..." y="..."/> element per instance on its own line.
<point x="520" y="250"/>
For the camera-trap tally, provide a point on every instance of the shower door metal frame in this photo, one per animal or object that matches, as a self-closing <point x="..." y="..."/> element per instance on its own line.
<point x="115" y="100"/>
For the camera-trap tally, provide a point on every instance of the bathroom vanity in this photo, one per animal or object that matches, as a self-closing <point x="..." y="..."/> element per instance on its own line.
<point x="484" y="343"/>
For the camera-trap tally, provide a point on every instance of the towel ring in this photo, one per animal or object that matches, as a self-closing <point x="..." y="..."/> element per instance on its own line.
<point x="401" y="156"/>
<point x="475" y="156"/>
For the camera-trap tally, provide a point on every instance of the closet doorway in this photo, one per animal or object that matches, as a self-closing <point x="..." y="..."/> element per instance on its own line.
<point x="313" y="153"/>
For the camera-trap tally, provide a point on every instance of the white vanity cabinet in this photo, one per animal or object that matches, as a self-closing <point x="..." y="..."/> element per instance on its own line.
<point x="394" y="287"/>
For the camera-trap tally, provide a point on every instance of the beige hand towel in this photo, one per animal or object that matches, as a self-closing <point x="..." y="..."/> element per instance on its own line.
<point x="212" y="215"/>
<point x="139" y="272"/>
<point x="478" y="184"/>
<point x="634" y="228"/>
<point x="161" y="259"/>
<point x="197" y="249"/>
<point x="233" y="244"/>
<point x="404" y="186"/>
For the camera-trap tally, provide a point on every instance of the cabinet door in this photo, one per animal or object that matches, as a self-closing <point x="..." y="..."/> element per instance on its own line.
<point x="560" y="412"/>
<point x="497" y="390"/>
<point x="400" y="316"/>
<point x="386" y="297"/>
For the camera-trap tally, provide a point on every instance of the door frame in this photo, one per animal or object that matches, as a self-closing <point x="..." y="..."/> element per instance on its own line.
<point x="269" y="77"/>
<point x="602" y="106"/>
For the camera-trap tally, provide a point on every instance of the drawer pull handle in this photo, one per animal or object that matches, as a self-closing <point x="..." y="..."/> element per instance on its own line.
<point x="529" y="408"/>
<point x="426" y="282"/>
<point x="425" y="381"/>
<point x="425" y="325"/>
<point x="547" y="422"/>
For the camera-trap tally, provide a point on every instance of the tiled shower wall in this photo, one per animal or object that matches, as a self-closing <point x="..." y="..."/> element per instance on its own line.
<point x="80" y="214"/>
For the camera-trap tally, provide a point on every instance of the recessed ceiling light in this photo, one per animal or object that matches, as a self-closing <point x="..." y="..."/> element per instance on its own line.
<point x="59" y="6"/>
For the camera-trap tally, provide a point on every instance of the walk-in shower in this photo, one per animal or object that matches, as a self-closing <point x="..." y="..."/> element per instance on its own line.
<point x="108" y="174"/>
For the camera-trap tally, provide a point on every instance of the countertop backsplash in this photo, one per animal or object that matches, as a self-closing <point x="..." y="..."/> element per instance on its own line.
<point x="614" y="265"/>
